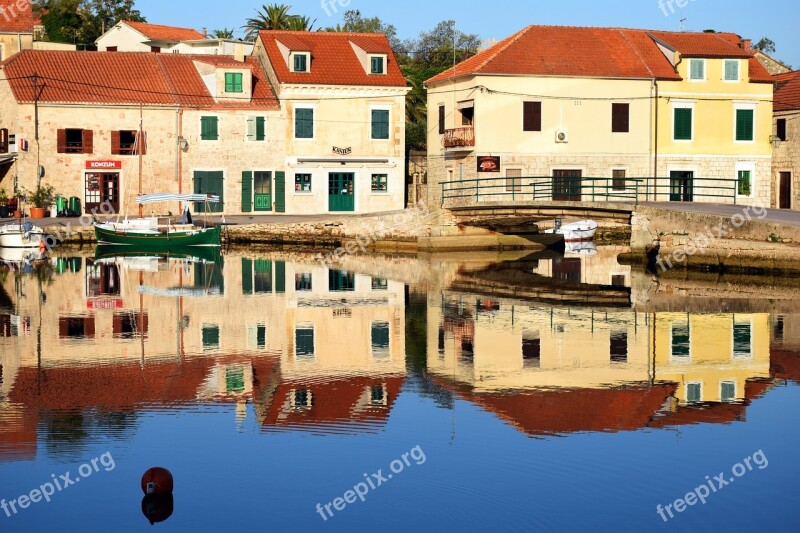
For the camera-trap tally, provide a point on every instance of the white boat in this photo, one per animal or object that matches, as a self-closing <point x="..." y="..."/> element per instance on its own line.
<point x="580" y="248"/>
<point x="580" y="231"/>
<point x="22" y="235"/>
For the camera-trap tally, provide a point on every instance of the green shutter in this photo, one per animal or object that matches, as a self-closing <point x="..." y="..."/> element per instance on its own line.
<point x="745" y="188"/>
<point x="260" y="128"/>
<point x="209" y="128"/>
<point x="247" y="191"/>
<point x="304" y="123"/>
<point x="744" y="124"/>
<point x="694" y="393"/>
<point x="380" y="124"/>
<point x="280" y="192"/>
<point x="247" y="276"/>
<point x="681" y="340"/>
<point x="211" y="337"/>
<point x="731" y="70"/>
<point x="698" y="69"/>
<point x="280" y="277"/>
<point x="683" y="124"/>
<point x="742" y="339"/>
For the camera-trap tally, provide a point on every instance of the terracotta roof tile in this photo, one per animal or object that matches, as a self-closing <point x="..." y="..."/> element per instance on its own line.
<point x="158" y="32"/>
<point x="22" y="21"/>
<point x="787" y="91"/>
<point x="695" y="44"/>
<point x="126" y="78"/>
<point x="333" y="60"/>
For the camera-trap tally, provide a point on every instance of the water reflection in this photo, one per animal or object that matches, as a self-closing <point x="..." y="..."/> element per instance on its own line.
<point x="548" y="344"/>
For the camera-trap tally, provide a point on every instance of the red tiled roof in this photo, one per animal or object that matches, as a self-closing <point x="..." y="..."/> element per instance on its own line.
<point x="22" y="21"/>
<point x="787" y="91"/>
<point x="333" y="60"/>
<point x="126" y="78"/>
<point x="597" y="52"/>
<point x="157" y="32"/>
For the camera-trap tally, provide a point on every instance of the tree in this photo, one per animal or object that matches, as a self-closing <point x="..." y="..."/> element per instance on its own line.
<point x="766" y="45"/>
<point x="271" y="17"/>
<point x="300" y="23"/>
<point x="443" y="45"/>
<point x="354" y="22"/>
<point x="83" y="21"/>
<point x="224" y="33"/>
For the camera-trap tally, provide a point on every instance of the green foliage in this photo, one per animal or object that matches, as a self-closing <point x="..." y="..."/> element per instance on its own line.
<point x="766" y="45"/>
<point x="3" y="197"/>
<point x="275" y="17"/>
<point x="224" y="33"/>
<point x="83" y="21"/>
<point x="42" y="196"/>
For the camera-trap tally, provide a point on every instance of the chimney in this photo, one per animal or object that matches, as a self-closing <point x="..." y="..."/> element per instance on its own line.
<point x="204" y="31"/>
<point x="747" y="45"/>
<point x="238" y="52"/>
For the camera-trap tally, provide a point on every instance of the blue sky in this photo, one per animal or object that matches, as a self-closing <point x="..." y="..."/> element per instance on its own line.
<point x="499" y="18"/>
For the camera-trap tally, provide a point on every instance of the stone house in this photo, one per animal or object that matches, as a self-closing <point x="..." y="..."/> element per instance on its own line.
<point x="786" y="153"/>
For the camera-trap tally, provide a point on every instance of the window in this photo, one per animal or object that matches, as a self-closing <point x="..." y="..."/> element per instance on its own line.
<point x="442" y="117"/>
<point x="155" y="49"/>
<point x="262" y="281"/>
<point x="380" y="339"/>
<point x="681" y="340"/>
<point x="531" y="349"/>
<point x="727" y="391"/>
<point x="111" y="49"/>
<point x="302" y="182"/>
<point x="130" y="325"/>
<point x="531" y="116"/>
<point x="304" y="341"/>
<point x="301" y="400"/>
<point x="262" y="182"/>
<point x="619" y="347"/>
<point x="618" y="179"/>
<point x="468" y="116"/>
<point x="377" y="65"/>
<point x="620" y="118"/>
<point x="731" y="70"/>
<point x="618" y="280"/>
<point x="380" y="284"/>
<point x="76" y="327"/>
<point x="513" y="180"/>
<point x="209" y="128"/>
<point x="742" y="339"/>
<point x="233" y="82"/>
<point x="3" y="140"/>
<point x="257" y="337"/>
<point x="341" y="281"/>
<point x="683" y="124"/>
<point x="694" y="392"/>
<point x="124" y="143"/>
<point x="303" y="282"/>
<point x="745" y="125"/>
<point x="256" y="129"/>
<point x="211" y="338"/>
<point x="697" y="69"/>
<point x="380" y="183"/>
<point x="304" y="123"/>
<point x="745" y="187"/>
<point x="234" y="380"/>
<point x="301" y="62"/>
<point x="75" y="141"/>
<point x="380" y="124"/>
<point x="781" y="129"/>
<point x="377" y="395"/>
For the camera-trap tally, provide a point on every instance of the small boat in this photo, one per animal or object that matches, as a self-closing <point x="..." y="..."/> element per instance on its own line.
<point x="580" y="231"/>
<point x="160" y="233"/>
<point x="580" y="248"/>
<point x="22" y="235"/>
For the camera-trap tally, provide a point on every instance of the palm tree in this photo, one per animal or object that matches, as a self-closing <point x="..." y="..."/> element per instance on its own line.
<point x="224" y="33"/>
<point x="271" y="17"/>
<point x="299" y="23"/>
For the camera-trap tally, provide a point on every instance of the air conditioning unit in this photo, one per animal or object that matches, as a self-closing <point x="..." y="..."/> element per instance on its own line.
<point x="562" y="136"/>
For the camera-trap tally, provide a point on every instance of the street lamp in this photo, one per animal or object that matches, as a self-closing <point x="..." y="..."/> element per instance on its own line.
<point x="183" y="144"/>
<point x="775" y="141"/>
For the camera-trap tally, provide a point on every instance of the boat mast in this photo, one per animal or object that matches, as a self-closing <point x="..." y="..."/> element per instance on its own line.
<point x="139" y="153"/>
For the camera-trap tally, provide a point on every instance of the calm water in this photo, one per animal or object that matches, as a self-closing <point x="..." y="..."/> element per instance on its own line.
<point x="513" y="393"/>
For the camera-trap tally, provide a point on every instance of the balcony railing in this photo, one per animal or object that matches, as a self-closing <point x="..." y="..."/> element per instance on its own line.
<point x="459" y="138"/>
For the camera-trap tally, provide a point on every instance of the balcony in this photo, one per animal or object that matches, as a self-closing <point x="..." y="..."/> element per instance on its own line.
<point x="459" y="139"/>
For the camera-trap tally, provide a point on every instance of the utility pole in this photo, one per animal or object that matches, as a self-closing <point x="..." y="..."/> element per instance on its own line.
<point x="36" y="95"/>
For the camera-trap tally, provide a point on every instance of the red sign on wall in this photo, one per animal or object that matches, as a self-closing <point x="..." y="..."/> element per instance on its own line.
<point x="109" y="303"/>
<point x="103" y="165"/>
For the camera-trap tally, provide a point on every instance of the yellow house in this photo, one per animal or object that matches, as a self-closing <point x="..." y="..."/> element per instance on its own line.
<point x="587" y="114"/>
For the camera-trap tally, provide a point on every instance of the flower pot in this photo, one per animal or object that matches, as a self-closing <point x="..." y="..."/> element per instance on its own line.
<point x="38" y="212"/>
<point x="17" y="214"/>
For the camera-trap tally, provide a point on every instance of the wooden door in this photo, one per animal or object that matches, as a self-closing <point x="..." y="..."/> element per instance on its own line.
<point x="785" y="190"/>
<point x="567" y="185"/>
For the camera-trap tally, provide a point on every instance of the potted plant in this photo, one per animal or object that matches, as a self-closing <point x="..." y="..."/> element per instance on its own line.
<point x="41" y="199"/>
<point x="3" y="204"/>
<point x="19" y="197"/>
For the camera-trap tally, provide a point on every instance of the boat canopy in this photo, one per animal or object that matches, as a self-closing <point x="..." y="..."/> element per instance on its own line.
<point x="161" y="198"/>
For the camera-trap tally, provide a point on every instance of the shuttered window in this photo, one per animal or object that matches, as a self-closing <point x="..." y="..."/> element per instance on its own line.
<point x="620" y="118"/>
<point x="304" y="124"/>
<point x="301" y="63"/>
<point x="247" y="191"/>
<point x="694" y="392"/>
<point x="209" y="128"/>
<point x="304" y="341"/>
<point x="744" y="124"/>
<point x="376" y="65"/>
<point x="742" y="339"/>
<point x="441" y="120"/>
<point x="3" y="141"/>
<point x="681" y="340"/>
<point x="256" y="129"/>
<point x="731" y="70"/>
<point x="75" y="141"/>
<point x="683" y="124"/>
<point x="532" y="116"/>
<point x="727" y="391"/>
<point x="745" y="187"/>
<point x="781" y="129"/>
<point x="380" y="124"/>
<point x="380" y="339"/>
<point x="697" y="69"/>
<point x="233" y="82"/>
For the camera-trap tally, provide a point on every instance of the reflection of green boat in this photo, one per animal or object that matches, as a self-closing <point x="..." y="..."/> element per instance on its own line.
<point x="200" y="253"/>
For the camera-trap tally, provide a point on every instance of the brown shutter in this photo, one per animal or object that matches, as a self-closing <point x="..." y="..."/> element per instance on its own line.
<point x="115" y="140"/>
<point x="88" y="142"/>
<point x="88" y="327"/>
<point x="144" y="326"/>
<point x="620" y="118"/>
<point x="117" y="325"/>
<point x="62" y="142"/>
<point x="441" y="120"/>
<point x="63" y="328"/>
<point x="3" y="141"/>
<point x="532" y="116"/>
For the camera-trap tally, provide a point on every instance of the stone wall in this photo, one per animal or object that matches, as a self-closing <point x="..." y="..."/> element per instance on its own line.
<point x="786" y="158"/>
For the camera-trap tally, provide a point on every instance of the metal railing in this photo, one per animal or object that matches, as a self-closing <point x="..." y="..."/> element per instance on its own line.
<point x="589" y="189"/>
<point x="459" y="137"/>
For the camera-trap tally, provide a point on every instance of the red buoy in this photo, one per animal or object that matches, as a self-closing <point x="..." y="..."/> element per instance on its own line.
<point x="157" y="482"/>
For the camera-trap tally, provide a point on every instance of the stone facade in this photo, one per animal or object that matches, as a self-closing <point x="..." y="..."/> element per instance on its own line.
<point x="786" y="163"/>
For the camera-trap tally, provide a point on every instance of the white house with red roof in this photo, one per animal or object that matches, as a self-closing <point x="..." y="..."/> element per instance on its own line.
<point x="588" y="114"/>
<point x="212" y="123"/>
<point x="343" y="95"/>
<point x="130" y="36"/>
<point x="17" y="28"/>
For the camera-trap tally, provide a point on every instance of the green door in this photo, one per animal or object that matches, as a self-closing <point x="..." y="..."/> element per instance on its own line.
<point x="262" y="185"/>
<point x="341" y="191"/>
<point x="681" y="186"/>
<point x="280" y="192"/>
<point x="209" y="183"/>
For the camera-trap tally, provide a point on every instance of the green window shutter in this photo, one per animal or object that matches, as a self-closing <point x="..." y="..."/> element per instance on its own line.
<point x="304" y="123"/>
<point x="211" y="337"/>
<point x="209" y="130"/>
<point x="698" y="69"/>
<point x="744" y="124"/>
<point x="681" y="340"/>
<point x="731" y="70"/>
<point x="280" y="192"/>
<point x="742" y="339"/>
<point x="280" y="277"/>
<point x="694" y="393"/>
<point x="247" y="276"/>
<point x="261" y="124"/>
<point x="247" y="191"/>
<point x="745" y="187"/>
<point x="380" y="124"/>
<point x="683" y="124"/>
<point x="728" y="391"/>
